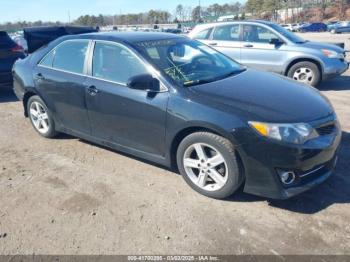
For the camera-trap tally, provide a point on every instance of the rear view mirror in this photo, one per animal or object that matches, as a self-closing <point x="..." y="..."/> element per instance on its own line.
<point x="276" y="41"/>
<point x="144" y="82"/>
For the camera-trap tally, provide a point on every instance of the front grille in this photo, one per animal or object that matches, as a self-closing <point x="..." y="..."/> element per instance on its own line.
<point x="326" y="129"/>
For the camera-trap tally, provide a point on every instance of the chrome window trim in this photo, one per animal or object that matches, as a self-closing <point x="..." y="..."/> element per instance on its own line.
<point x="149" y="67"/>
<point x="54" y="50"/>
<point x="61" y="70"/>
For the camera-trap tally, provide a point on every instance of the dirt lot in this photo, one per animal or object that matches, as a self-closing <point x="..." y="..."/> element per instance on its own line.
<point x="67" y="196"/>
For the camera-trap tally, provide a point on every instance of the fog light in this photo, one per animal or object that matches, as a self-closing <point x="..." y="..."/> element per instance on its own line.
<point x="287" y="177"/>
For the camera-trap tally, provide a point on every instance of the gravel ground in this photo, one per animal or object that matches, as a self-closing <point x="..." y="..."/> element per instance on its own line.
<point x="67" y="196"/>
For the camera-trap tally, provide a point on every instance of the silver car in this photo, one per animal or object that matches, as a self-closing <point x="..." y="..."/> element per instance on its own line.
<point x="268" y="46"/>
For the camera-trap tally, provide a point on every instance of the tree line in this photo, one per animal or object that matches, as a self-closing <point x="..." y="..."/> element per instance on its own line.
<point x="298" y="9"/>
<point x="264" y="9"/>
<point x="180" y="14"/>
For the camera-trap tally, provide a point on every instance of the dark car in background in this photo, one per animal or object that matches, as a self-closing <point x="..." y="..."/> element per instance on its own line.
<point x="179" y="103"/>
<point x="313" y="27"/>
<point x="9" y="53"/>
<point x="37" y="37"/>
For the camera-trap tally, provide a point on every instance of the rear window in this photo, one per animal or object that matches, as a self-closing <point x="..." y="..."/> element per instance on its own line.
<point x="5" y="41"/>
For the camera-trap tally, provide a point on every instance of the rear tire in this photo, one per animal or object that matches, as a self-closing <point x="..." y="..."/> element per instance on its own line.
<point x="40" y="117"/>
<point x="305" y="72"/>
<point x="215" y="170"/>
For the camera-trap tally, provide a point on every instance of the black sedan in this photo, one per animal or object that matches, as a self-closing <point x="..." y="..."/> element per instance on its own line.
<point x="180" y="103"/>
<point x="9" y="53"/>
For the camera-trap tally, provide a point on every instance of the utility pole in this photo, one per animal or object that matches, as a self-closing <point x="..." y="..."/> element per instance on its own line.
<point x="200" y="10"/>
<point x="68" y="17"/>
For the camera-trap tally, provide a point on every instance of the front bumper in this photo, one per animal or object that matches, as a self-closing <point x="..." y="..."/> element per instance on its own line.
<point x="312" y="164"/>
<point x="335" y="68"/>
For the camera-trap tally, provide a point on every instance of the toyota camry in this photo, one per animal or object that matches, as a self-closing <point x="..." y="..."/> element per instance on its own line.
<point x="179" y="103"/>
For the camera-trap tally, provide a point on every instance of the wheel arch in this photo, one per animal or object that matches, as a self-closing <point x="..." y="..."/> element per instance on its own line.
<point x="181" y="134"/>
<point x="305" y="59"/>
<point x="26" y="97"/>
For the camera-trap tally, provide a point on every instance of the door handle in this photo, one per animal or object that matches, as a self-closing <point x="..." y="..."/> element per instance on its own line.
<point x="92" y="90"/>
<point x="213" y="44"/>
<point x="248" y="45"/>
<point x="39" y="76"/>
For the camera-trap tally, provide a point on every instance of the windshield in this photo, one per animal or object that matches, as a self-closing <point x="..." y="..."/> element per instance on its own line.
<point x="188" y="62"/>
<point x="288" y="34"/>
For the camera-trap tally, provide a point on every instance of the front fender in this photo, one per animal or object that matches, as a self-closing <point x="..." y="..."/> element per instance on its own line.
<point x="302" y="57"/>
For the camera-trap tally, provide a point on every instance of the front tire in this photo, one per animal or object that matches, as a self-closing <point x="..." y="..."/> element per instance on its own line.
<point x="209" y="164"/>
<point x="40" y="117"/>
<point x="305" y="72"/>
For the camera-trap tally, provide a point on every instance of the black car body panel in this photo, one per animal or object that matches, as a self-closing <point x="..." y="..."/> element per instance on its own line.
<point x="151" y="125"/>
<point x="9" y="53"/>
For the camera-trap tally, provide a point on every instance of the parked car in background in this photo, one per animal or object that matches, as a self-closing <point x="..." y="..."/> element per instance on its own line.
<point x="182" y="104"/>
<point x="332" y="25"/>
<point x="313" y="27"/>
<point x="172" y="30"/>
<point x="268" y="46"/>
<point x="36" y="37"/>
<point x="297" y="26"/>
<point x="9" y="53"/>
<point x="21" y="41"/>
<point x="343" y="27"/>
<point x="288" y="26"/>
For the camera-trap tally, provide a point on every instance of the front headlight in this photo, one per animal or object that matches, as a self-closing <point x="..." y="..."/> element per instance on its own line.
<point x="332" y="54"/>
<point x="290" y="133"/>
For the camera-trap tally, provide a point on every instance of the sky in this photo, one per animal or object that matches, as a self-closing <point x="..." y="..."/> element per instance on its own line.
<point x="59" y="10"/>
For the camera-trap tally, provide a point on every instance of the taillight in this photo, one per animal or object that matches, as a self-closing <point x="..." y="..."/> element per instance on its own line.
<point x="17" y="48"/>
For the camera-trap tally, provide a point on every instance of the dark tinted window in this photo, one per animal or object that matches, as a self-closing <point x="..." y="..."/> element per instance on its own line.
<point x="70" y="56"/>
<point x="188" y="62"/>
<point x="48" y="59"/>
<point x="115" y="63"/>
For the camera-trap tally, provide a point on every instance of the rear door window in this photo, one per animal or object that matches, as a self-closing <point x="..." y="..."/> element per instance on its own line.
<point x="70" y="56"/>
<point x="48" y="59"/>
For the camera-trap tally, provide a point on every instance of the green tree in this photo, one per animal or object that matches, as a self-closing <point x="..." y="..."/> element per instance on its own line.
<point x="180" y="12"/>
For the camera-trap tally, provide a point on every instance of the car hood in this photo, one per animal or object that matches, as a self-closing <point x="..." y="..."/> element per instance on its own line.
<point x="261" y="96"/>
<point x="318" y="45"/>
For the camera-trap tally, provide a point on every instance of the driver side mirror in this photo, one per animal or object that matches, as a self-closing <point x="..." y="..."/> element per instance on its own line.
<point x="144" y="82"/>
<point x="276" y="41"/>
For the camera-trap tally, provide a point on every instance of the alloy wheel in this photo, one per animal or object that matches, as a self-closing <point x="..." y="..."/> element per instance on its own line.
<point x="205" y="166"/>
<point x="39" y="117"/>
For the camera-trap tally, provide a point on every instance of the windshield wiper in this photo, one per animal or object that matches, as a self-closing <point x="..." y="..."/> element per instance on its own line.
<point x="236" y="72"/>
<point x="199" y="82"/>
<point x="205" y="81"/>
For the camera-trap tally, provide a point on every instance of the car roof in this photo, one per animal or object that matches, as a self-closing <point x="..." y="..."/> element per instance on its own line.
<point x="201" y="27"/>
<point x="127" y="37"/>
